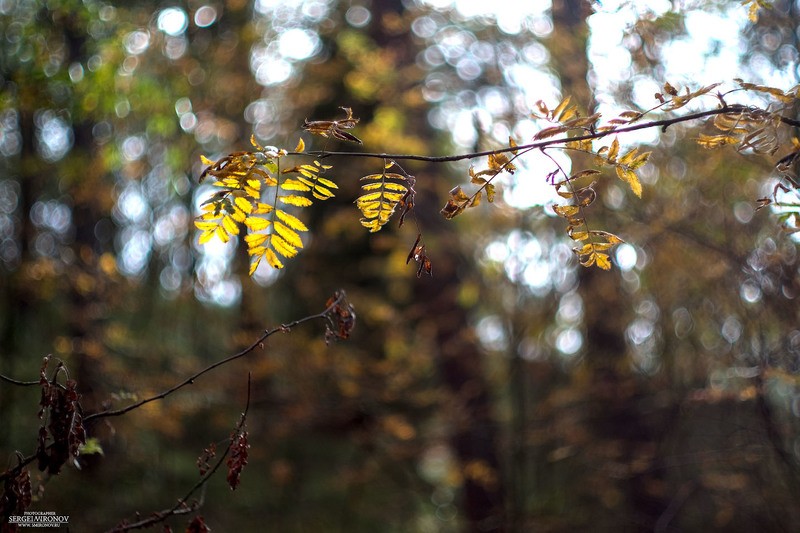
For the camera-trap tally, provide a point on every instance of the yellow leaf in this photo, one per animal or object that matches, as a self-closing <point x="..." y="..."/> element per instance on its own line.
<point x="205" y="226"/>
<point x="299" y="201"/>
<point x="566" y="211"/>
<point x="238" y="215"/>
<point x="254" y="240"/>
<point x="206" y="161"/>
<point x="382" y="196"/>
<point x="373" y="224"/>
<point x="577" y="235"/>
<point x="256" y="223"/>
<point x="272" y="259"/>
<point x="206" y="236"/>
<point x="476" y="199"/>
<point x="601" y="246"/>
<point x="589" y="261"/>
<point x="291" y="220"/>
<point x="640" y="160"/>
<point x="490" y="192"/>
<point x="221" y="235"/>
<point x="254" y="265"/>
<point x="560" y="108"/>
<point x="497" y="161"/>
<point x="715" y="141"/>
<point x="283" y="247"/>
<point x="321" y="193"/>
<point x="289" y="235"/>
<point x="613" y="151"/>
<point x="632" y="179"/>
<point x="602" y="261"/>
<point x="294" y="185"/>
<point x="300" y="145"/>
<point x="243" y="204"/>
<point x="257" y="250"/>
<point x="327" y="183"/>
<point x="262" y="209"/>
<point x="230" y="225"/>
<point x="628" y="157"/>
<point x="608" y="237"/>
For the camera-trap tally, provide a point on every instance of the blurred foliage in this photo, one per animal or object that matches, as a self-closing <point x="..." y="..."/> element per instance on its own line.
<point x="510" y="390"/>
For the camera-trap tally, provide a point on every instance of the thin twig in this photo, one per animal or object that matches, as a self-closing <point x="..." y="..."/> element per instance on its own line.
<point x="182" y="507"/>
<point x="13" y="472"/>
<point x="663" y="124"/>
<point x="190" y="380"/>
<point x="17" y="382"/>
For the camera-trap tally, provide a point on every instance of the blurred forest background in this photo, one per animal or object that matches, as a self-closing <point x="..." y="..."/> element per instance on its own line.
<point x="513" y="389"/>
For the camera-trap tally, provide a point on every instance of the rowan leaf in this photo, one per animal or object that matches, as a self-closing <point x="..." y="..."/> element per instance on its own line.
<point x="608" y="237"/>
<point x="291" y="220"/>
<point x="244" y="204"/>
<point x="602" y="260"/>
<point x="206" y="236"/>
<point x="294" y="185"/>
<point x="272" y="259"/>
<point x="292" y="199"/>
<point x="612" y="151"/>
<point x="631" y="178"/>
<point x="230" y="225"/>
<point x="566" y="211"/>
<point x="221" y="234"/>
<point x="381" y="197"/>
<point x="288" y="234"/>
<point x="282" y="247"/>
<point x="256" y="223"/>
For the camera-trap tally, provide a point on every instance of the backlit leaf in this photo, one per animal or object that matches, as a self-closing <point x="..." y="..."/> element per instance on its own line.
<point x="272" y="259"/>
<point x="294" y="185"/>
<point x="256" y="223"/>
<point x="566" y="211"/>
<point x="577" y="235"/>
<point x="244" y="204"/>
<point x="613" y="151"/>
<point x="602" y="261"/>
<point x="206" y="236"/>
<point x="282" y="247"/>
<point x="631" y="178"/>
<point x="255" y="240"/>
<point x="609" y="237"/>
<point x="230" y="225"/>
<point x="291" y="220"/>
<point x="221" y="234"/>
<point x="288" y="234"/>
<point x="298" y="201"/>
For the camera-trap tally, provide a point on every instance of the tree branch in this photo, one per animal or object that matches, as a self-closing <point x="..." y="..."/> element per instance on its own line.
<point x="663" y="124"/>
<point x="283" y="328"/>
<point x="182" y="507"/>
<point x="338" y="299"/>
<point x="17" y="382"/>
